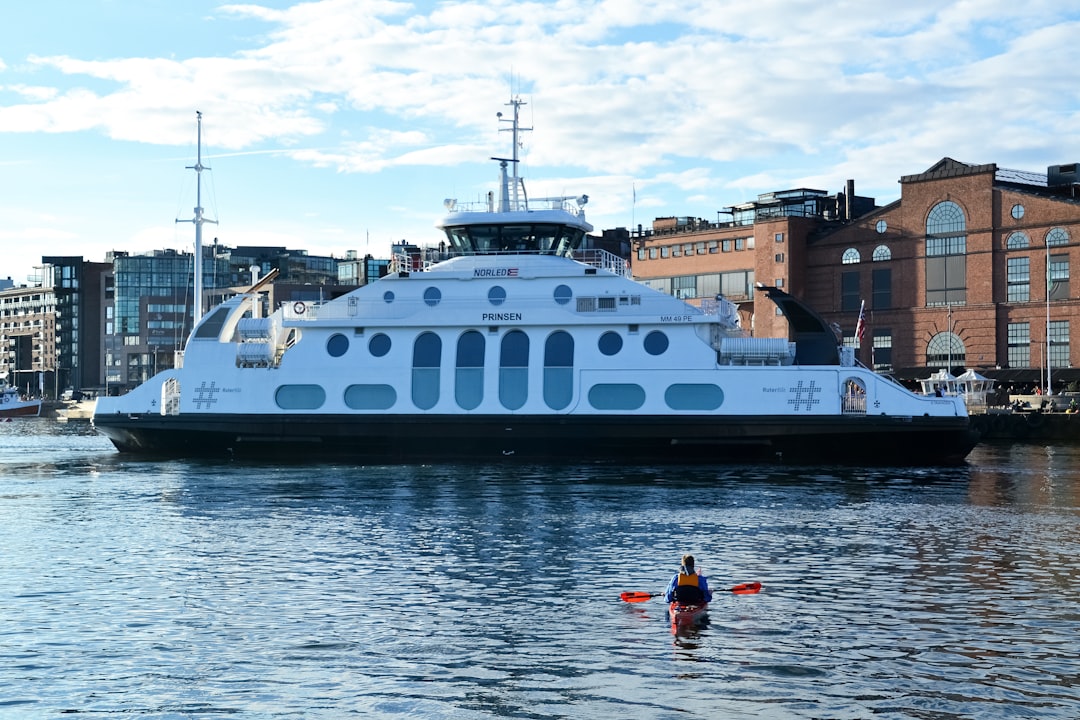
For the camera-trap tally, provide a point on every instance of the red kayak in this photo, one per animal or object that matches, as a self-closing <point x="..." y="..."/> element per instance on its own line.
<point x="684" y="615"/>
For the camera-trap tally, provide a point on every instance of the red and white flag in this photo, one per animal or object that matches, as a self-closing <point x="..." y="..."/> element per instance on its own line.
<point x="860" y="327"/>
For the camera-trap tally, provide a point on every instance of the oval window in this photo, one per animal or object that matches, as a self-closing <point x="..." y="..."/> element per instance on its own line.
<point x="432" y="296"/>
<point x="496" y="295"/>
<point x="300" y="397"/>
<point x="694" y="396"/>
<point x="337" y="345"/>
<point x="379" y="344"/>
<point x="656" y="343"/>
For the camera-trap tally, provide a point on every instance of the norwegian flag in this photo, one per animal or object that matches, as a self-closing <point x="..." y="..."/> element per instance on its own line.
<point x="860" y="327"/>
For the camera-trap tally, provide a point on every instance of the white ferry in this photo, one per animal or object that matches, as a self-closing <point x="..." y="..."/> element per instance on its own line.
<point x="523" y="345"/>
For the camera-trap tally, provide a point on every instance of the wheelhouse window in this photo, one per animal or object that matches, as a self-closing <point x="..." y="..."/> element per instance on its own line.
<point x="545" y="239"/>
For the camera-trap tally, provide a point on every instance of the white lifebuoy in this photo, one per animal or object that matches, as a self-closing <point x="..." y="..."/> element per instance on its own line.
<point x="299" y="307"/>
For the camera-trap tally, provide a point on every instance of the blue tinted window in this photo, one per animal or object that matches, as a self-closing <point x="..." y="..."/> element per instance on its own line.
<point x="559" y="370"/>
<point x="610" y="343"/>
<point x="616" y="396"/>
<point x="694" y="396"/>
<point x="559" y="350"/>
<point x="470" y="350"/>
<point x="427" y="351"/>
<point x="515" y="349"/>
<point x="337" y="345"/>
<point x="514" y="370"/>
<point x="469" y="376"/>
<point x="496" y="295"/>
<point x="370" y="397"/>
<point x="388" y="296"/>
<point x="300" y="397"/>
<point x="427" y="359"/>
<point x="432" y="296"/>
<point x="379" y="344"/>
<point x="656" y="343"/>
<point x="563" y="293"/>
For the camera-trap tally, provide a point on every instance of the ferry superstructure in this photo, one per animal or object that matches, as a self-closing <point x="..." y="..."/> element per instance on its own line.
<point x="524" y="345"/>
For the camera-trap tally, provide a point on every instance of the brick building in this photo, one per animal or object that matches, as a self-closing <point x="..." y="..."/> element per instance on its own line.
<point x="969" y="268"/>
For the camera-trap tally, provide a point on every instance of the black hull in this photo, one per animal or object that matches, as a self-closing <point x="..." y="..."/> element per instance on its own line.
<point x="849" y="440"/>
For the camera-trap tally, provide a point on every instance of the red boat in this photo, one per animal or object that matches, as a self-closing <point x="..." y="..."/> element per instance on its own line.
<point x="685" y="615"/>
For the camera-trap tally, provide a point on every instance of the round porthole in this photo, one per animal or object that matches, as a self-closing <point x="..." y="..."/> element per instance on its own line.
<point x="563" y="293"/>
<point x="432" y="296"/>
<point x="656" y="343"/>
<point x="379" y="345"/>
<point x="497" y="295"/>
<point x="388" y="296"/>
<point x="610" y="343"/>
<point x="337" y="345"/>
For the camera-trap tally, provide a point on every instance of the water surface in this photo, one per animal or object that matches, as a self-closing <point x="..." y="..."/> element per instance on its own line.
<point x="199" y="589"/>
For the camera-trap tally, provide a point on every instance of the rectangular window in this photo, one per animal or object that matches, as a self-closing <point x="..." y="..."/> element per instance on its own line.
<point x="740" y="244"/>
<point x="684" y="287"/>
<point x="881" y="299"/>
<point x="849" y="291"/>
<point x="652" y="253"/>
<point x="714" y="246"/>
<point x="726" y="245"/>
<point x="946" y="280"/>
<point x="779" y="257"/>
<point x="1059" y="277"/>
<point x="1059" y="344"/>
<point x="665" y="251"/>
<point x="1019" y="338"/>
<point x="1018" y="279"/>
<point x="779" y="237"/>
<point x="882" y="349"/>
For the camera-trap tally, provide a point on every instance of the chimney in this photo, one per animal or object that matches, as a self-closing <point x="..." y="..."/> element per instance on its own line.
<point x="849" y="200"/>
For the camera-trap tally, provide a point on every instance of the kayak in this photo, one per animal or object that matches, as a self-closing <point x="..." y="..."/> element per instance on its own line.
<point x="686" y="614"/>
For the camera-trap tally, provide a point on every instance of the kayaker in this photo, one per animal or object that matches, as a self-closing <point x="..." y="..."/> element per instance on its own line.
<point x="688" y="586"/>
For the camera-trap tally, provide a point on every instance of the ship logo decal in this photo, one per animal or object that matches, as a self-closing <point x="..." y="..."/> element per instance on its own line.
<point x="205" y="394"/>
<point x="806" y="395"/>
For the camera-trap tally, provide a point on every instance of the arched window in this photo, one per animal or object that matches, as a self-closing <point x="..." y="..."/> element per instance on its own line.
<point x="559" y="370"/>
<point x="850" y="257"/>
<point x="514" y="370"/>
<point x="882" y="253"/>
<point x="469" y="375"/>
<point x="946" y="218"/>
<point x="1057" y="236"/>
<point x="946" y="350"/>
<point x="427" y="362"/>
<point x="946" y="255"/>
<point x="1017" y="241"/>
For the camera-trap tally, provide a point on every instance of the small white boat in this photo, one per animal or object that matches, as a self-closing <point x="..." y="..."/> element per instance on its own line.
<point x="12" y="404"/>
<point x="523" y="344"/>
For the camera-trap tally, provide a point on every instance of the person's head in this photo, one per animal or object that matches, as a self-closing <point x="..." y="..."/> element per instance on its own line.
<point x="688" y="564"/>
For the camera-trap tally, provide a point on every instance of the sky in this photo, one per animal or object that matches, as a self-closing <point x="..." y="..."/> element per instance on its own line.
<point x="338" y="125"/>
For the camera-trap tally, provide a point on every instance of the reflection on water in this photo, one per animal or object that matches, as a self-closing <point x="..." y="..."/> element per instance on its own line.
<point x="192" y="589"/>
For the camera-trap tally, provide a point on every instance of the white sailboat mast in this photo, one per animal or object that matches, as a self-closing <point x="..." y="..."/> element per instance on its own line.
<point x="198" y="220"/>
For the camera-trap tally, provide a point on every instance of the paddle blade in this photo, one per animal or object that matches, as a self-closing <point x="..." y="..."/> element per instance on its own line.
<point x="636" y="596"/>
<point x="747" y="588"/>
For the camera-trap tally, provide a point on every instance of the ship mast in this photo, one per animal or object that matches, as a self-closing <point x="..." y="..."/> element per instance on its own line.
<point x="515" y="128"/>
<point x="198" y="220"/>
